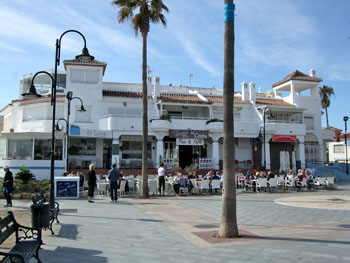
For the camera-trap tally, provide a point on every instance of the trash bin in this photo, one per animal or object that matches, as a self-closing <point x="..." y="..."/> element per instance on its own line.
<point x="40" y="215"/>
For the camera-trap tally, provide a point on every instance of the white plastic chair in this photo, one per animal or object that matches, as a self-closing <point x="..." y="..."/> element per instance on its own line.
<point x="272" y="183"/>
<point x="262" y="183"/>
<point x="321" y="182"/>
<point x="205" y="185"/>
<point x="121" y="189"/>
<point x="329" y="183"/>
<point x="215" y="184"/>
<point x="131" y="184"/>
<point x="302" y="183"/>
<point x="152" y="186"/>
<point x="195" y="188"/>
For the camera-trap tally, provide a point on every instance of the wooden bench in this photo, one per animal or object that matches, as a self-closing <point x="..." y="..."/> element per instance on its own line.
<point x="28" y="240"/>
<point x="53" y="212"/>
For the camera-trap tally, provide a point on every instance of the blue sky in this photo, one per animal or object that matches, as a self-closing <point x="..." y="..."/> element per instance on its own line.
<point x="273" y="38"/>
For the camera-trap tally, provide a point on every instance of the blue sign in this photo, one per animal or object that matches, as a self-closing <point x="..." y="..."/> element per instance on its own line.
<point x="74" y="130"/>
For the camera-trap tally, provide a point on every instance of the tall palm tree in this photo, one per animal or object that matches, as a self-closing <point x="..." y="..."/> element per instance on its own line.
<point x="228" y="227"/>
<point x="149" y="11"/>
<point x="326" y="92"/>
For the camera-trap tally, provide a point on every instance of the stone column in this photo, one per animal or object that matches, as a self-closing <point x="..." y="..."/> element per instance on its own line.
<point x="268" y="159"/>
<point x="301" y="151"/>
<point x="159" y="151"/>
<point x="215" y="161"/>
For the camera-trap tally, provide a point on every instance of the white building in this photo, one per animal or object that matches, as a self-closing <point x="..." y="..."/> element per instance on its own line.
<point x="338" y="151"/>
<point x="111" y="128"/>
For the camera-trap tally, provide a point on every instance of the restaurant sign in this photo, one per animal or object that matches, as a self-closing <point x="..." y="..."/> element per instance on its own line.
<point x="189" y="141"/>
<point x="198" y="134"/>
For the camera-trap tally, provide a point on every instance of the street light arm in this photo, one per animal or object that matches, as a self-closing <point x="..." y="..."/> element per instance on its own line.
<point x="58" y="44"/>
<point x="61" y="119"/>
<point x="81" y="105"/>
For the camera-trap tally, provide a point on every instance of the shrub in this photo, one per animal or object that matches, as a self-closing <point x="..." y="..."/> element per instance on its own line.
<point x="25" y="175"/>
<point x="191" y="168"/>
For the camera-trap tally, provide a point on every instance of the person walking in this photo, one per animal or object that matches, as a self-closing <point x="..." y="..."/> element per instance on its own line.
<point x="91" y="178"/>
<point x="161" y="178"/>
<point x="8" y="184"/>
<point x="113" y="176"/>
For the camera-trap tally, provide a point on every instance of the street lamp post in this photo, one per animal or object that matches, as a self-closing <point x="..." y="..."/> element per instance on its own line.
<point x="69" y="97"/>
<point x="266" y="110"/>
<point x="57" y="128"/>
<point x="84" y="56"/>
<point x="346" y="118"/>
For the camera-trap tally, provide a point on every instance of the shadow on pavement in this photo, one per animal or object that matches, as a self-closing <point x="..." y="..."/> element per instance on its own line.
<point x="68" y="254"/>
<point x="68" y="231"/>
<point x="118" y="218"/>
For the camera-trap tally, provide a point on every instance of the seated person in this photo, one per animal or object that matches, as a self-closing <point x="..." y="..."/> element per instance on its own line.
<point x="81" y="179"/>
<point x="270" y="175"/>
<point x="176" y="183"/>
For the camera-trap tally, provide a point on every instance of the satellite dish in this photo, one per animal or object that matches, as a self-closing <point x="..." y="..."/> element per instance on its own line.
<point x="12" y="130"/>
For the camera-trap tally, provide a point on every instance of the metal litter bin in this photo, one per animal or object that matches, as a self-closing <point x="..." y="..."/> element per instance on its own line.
<point x="40" y="215"/>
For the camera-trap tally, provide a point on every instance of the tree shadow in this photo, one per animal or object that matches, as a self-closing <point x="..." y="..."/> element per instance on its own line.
<point x="69" y="254"/>
<point x="68" y="231"/>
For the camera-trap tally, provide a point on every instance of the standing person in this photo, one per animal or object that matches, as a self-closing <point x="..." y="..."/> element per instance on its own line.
<point x="113" y="176"/>
<point x="91" y="178"/>
<point x="8" y="184"/>
<point x="161" y="178"/>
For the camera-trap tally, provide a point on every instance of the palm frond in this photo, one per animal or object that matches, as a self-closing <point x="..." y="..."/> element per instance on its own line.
<point x="136" y="23"/>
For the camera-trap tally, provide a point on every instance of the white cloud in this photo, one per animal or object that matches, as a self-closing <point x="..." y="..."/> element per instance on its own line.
<point x="11" y="47"/>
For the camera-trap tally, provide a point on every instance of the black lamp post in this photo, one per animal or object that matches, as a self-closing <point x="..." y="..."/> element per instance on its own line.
<point x="266" y="110"/>
<point x="57" y="128"/>
<point x="84" y="56"/>
<point x="346" y="144"/>
<point x="69" y="97"/>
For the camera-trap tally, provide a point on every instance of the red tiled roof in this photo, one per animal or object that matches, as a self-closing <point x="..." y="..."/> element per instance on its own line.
<point x="85" y="63"/>
<point x="47" y="98"/>
<point x="213" y="99"/>
<point x="122" y="94"/>
<point x="184" y="98"/>
<point x="342" y="136"/>
<point x="296" y="75"/>
<point x="273" y="102"/>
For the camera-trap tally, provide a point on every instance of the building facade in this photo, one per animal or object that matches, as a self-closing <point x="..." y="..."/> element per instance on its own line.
<point x="185" y="124"/>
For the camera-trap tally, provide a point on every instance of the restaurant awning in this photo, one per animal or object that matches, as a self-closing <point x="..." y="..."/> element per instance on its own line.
<point x="284" y="138"/>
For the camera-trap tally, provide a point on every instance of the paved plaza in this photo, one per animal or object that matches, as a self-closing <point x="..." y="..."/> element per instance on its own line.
<point x="277" y="227"/>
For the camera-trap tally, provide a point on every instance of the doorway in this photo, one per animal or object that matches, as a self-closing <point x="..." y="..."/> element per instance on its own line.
<point x="185" y="155"/>
<point x="107" y="153"/>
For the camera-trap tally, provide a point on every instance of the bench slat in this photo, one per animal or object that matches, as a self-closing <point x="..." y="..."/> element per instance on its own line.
<point x="7" y="232"/>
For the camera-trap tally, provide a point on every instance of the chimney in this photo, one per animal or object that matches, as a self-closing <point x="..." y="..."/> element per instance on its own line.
<point x="252" y="92"/>
<point x="149" y="86"/>
<point x="312" y="73"/>
<point x="245" y="93"/>
<point x="156" y="89"/>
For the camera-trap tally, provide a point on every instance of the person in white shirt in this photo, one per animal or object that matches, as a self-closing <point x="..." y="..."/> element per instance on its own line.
<point x="161" y="178"/>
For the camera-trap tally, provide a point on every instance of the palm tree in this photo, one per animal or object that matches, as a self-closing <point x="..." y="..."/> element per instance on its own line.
<point x="228" y="227"/>
<point x="149" y="11"/>
<point x="326" y="92"/>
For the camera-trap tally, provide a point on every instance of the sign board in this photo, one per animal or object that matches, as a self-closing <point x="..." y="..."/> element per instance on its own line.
<point x="67" y="187"/>
<point x="198" y="134"/>
<point x="76" y="130"/>
<point x="189" y="141"/>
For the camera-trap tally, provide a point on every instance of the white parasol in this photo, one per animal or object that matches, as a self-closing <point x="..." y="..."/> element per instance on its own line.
<point x="281" y="162"/>
<point x="294" y="163"/>
<point x="287" y="161"/>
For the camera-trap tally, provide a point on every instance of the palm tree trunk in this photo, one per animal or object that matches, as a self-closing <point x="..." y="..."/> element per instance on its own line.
<point x="144" y="189"/>
<point x="228" y="227"/>
<point x="327" y="117"/>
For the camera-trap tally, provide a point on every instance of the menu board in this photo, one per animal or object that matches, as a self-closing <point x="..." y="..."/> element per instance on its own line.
<point x="67" y="187"/>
